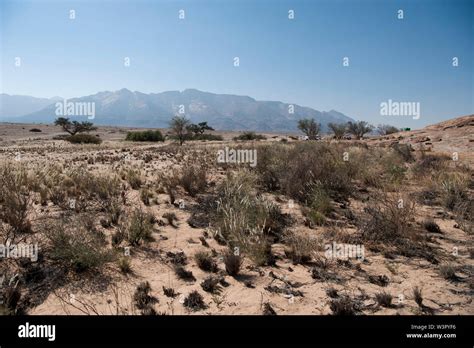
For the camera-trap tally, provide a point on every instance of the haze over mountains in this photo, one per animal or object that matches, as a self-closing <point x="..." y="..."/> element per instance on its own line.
<point x="127" y="108"/>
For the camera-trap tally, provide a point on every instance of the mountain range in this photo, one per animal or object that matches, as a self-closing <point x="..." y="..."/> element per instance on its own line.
<point x="136" y="109"/>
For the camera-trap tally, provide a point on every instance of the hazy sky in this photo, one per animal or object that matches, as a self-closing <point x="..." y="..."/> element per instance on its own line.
<point x="296" y="61"/>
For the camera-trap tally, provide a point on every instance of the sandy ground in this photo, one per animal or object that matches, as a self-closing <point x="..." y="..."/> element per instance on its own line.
<point x="247" y="293"/>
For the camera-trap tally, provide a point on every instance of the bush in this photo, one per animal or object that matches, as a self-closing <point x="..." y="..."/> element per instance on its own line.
<point x="15" y="200"/>
<point x="207" y="137"/>
<point x="384" y="299"/>
<point x="142" y="298"/>
<point x="83" y="139"/>
<point x="148" y="135"/>
<point x="195" y="301"/>
<point x="242" y="215"/>
<point x="417" y="296"/>
<point x="194" y="179"/>
<point x="211" y="284"/>
<point x="205" y="262"/>
<point x="76" y="246"/>
<point x="183" y="274"/>
<point x="388" y="220"/>
<point x="344" y="305"/>
<point x="124" y="265"/>
<point x="133" y="177"/>
<point x="35" y="130"/>
<point x="232" y="263"/>
<point x="301" y="248"/>
<point x="448" y="272"/>
<point x="246" y="136"/>
<point x="431" y="226"/>
<point x="139" y="228"/>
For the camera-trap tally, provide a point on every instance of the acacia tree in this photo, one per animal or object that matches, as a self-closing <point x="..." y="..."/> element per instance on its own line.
<point x="74" y="127"/>
<point x="200" y="128"/>
<point x="339" y="129"/>
<point x="359" y="129"/>
<point x="309" y="127"/>
<point x="181" y="128"/>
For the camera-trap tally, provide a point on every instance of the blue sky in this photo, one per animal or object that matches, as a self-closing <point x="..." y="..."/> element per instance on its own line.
<point x="295" y="61"/>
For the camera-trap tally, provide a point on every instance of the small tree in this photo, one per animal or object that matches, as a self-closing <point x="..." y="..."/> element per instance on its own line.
<point x="338" y="129"/>
<point x="309" y="127"/>
<point x="74" y="127"/>
<point x="359" y="129"/>
<point x="181" y="128"/>
<point x="385" y="129"/>
<point x="200" y="128"/>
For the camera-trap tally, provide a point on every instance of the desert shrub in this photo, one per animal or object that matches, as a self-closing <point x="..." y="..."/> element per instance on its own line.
<point x="384" y="299"/>
<point x="177" y="258"/>
<point x="183" y="274"/>
<point x="87" y="190"/>
<point x="211" y="284"/>
<point x="171" y="218"/>
<point x="232" y="262"/>
<point x="316" y="165"/>
<point x="389" y="219"/>
<point x="10" y="293"/>
<point x="207" y="137"/>
<point x="139" y="227"/>
<point x="319" y="204"/>
<point x="76" y="246"/>
<point x="15" y="201"/>
<point x="430" y="162"/>
<point x="194" y="179"/>
<point x="133" y="177"/>
<point x="431" y="226"/>
<point x="268" y="309"/>
<point x="453" y="189"/>
<point x="145" y="196"/>
<point x="405" y="151"/>
<point x="35" y="130"/>
<point x="301" y="248"/>
<point x="271" y="165"/>
<point x="148" y="135"/>
<point x="124" y="265"/>
<point x="418" y="296"/>
<point x="332" y="293"/>
<point x="240" y="210"/>
<point x="205" y="261"/>
<point x="142" y="297"/>
<point x="194" y="301"/>
<point x="344" y="305"/>
<point x="83" y="139"/>
<point x="448" y="272"/>
<point x="246" y="136"/>
<point x="169" y="292"/>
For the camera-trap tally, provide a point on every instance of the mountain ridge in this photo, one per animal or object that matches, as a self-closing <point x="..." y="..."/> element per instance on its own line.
<point x="222" y="111"/>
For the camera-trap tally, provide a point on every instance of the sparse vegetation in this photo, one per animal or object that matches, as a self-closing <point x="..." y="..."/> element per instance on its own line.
<point x="148" y="135"/>
<point x="247" y="136"/>
<point x="194" y="301"/>
<point x="205" y="261"/>
<point x="232" y="263"/>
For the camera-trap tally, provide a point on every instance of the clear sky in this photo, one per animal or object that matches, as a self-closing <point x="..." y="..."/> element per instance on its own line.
<point x="296" y="61"/>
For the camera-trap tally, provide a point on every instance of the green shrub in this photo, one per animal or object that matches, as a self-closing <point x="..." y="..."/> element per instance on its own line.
<point x="83" y="139"/>
<point x="148" y="135"/>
